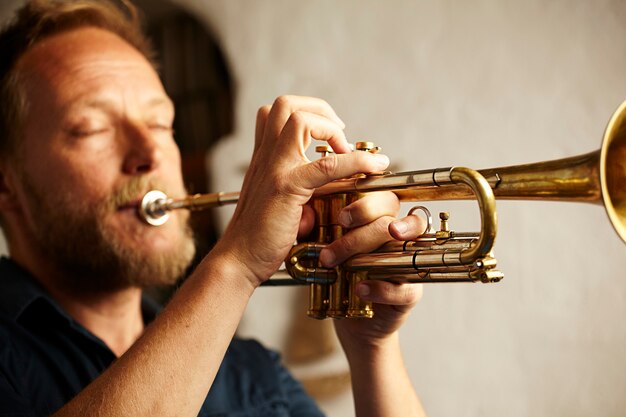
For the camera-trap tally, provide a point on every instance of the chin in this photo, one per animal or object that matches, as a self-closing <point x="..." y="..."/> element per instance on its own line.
<point x="166" y="237"/>
<point x="142" y="237"/>
<point x="176" y="230"/>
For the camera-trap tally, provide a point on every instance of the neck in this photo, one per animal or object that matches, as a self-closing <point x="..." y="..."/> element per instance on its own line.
<point x="114" y="317"/>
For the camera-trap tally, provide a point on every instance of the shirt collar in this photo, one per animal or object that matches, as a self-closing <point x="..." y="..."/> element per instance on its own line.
<point x="19" y="289"/>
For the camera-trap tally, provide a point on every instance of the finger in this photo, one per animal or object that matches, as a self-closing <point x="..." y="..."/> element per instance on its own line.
<point x="302" y="126"/>
<point x="407" y="228"/>
<point x="369" y="208"/>
<point x="335" y="166"/>
<point x="383" y="292"/>
<point x="364" y="239"/>
<point x="284" y="106"/>
<point x="261" y="120"/>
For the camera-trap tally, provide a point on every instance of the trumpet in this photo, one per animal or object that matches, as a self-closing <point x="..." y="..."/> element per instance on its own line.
<point x="444" y="255"/>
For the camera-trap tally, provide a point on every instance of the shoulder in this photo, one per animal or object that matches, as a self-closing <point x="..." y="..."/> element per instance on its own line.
<point x="247" y="356"/>
<point x="15" y="359"/>
<point x="247" y="347"/>
<point x="252" y="381"/>
<point x="16" y="345"/>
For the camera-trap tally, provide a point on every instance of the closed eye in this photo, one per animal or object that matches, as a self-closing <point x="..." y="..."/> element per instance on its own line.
<point x="161" y="127"/>
<point x="83" y="133"/>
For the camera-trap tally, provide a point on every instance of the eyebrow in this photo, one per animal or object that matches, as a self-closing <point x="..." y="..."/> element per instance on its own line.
<point x="107" y="104"/>
<point x="160" y="101"/>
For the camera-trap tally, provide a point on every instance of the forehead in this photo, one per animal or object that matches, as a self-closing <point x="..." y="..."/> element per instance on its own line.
<point x="83" y="62"/>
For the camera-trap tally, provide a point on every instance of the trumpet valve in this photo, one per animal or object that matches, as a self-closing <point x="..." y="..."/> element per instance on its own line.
<point x="444" y="228"/>
<point x="324" y="150"/>
<point x="367" y="147"/>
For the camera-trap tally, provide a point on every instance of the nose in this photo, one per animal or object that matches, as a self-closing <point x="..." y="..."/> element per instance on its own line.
<point x="142" y="152"/>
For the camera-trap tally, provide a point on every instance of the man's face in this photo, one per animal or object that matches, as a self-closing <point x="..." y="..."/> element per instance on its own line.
<point x="97" y="136"/>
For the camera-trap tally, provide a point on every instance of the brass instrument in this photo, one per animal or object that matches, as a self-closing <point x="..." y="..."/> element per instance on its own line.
<point x="444" y="255"/>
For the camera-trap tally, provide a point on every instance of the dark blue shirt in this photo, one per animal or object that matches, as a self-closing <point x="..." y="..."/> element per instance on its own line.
<point x="46" y="358"/>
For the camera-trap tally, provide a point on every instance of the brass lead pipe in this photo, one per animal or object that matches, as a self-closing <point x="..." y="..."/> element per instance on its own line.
<point x="595" y="177"/>
<point x="574" y="179"/>
<point x="155" y="205"/>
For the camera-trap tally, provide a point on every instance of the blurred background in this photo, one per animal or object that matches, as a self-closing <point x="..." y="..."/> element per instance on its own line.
<point x="435" y="83"/>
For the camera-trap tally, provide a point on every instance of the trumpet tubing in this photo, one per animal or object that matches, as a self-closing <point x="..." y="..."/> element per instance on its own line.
<point x="443" y="256"/>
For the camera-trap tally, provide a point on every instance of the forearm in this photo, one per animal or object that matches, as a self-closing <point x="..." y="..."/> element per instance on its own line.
<point x="170" y="369"/>
<point x="380" y="382"/>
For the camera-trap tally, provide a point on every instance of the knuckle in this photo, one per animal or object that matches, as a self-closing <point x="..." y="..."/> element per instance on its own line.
<point x="282" y="101"/>
<point x="297" y="118"/>
<point x="407" y="294"/>
<point x="389" y="291"/>
<point x="411" y="293"/>
<point x="327" y="165"/>
<point x="381" y="225"/>
<point x="349" y="244"/>
<point x="401" y="294"/>
<point x="263" y="111"/>
<point x="382" y="202"/>
<point x="395" y="202"/>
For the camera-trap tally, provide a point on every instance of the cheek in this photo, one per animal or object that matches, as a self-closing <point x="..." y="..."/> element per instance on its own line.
<point x="70" y="178"/>
<point x="171" y="155"/>
<point x="171" y="166"/>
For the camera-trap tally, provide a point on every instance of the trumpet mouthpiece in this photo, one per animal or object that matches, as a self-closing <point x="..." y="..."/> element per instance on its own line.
<point x="152" y="209"/>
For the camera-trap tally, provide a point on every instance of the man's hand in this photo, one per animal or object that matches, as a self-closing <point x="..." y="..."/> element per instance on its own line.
<point x="380" y="383"/>
<point x="281" y="180"/>
<point x="372" y="221"/>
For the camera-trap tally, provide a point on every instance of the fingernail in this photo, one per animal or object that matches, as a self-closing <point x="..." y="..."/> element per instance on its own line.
<point x="382" y="161"/>
<point x="363" y="290"/>
<point x="327" y="258"/>
<point x="401" y="227"/>
<point x="345" y="218"/>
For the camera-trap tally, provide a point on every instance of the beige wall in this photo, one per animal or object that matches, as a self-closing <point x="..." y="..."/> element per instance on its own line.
<point x="476" y="83"/>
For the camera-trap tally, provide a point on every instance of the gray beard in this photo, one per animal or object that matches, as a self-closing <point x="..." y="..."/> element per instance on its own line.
<point x="89" y="256"/>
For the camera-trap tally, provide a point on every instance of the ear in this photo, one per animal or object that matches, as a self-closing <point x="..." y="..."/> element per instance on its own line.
<point x="8" y="181"/>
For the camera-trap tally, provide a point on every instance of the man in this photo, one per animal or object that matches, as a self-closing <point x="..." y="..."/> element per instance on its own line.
<point x="86" y="131"/>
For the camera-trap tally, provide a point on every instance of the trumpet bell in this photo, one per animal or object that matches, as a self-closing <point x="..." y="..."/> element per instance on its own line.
<point x="613" y="170"/>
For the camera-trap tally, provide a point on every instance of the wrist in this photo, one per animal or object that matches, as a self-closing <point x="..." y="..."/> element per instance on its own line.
<point x="232" y="268"/>
<point x="360" y="350"/>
